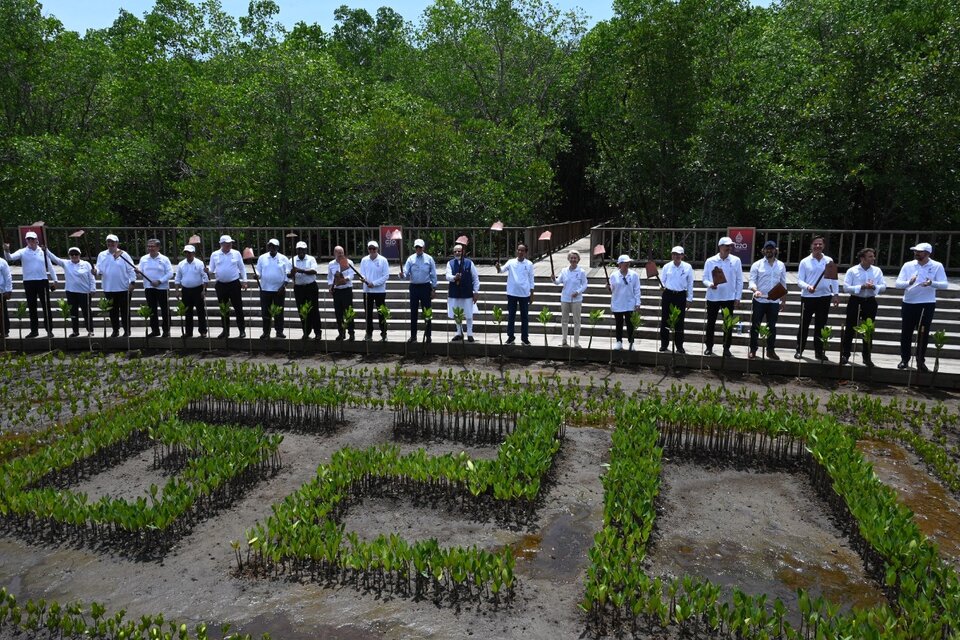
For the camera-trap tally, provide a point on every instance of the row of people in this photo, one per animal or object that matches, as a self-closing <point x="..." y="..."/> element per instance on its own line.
<point x="722" y="278"/>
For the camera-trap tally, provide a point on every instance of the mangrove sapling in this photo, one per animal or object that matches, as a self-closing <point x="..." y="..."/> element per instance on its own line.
<point x="673" y="317"/>
<point x="939" y="342"/>
<point x="825" y="334"/>
<point x="459" y="317"/>
<point x="105" y="306"/>
<point x="146" y="313"/>
<point x="383" y="319"/>
<point x="498" y="320"/>
<point x="427" y="322"/>
<point x="729" y="322"/>
<point x="304" y="311"/>
<point x="224" y="318"/>
<point x="764" y="332"/>
<point x="636" y="320"/>
<point x="181" y="311"/>
<point x="21" y="313"/>
<point x="595" y="317"/>
<point x="544" y="317"/>
<point x="65" y="310"/>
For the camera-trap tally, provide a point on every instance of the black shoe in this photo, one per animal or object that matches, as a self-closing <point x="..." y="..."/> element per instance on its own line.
<point x="75" y="334"/>
<point x="680" y="350"/>
<point x="922" y="366"/>
<point x="153" y="334"/>
<point x="34" y="334"/>
<point x="281" y="335"/>
<point x="708" y="352"/>
<point x="113" y="334"/>
<point x="203" y="334"/>
<point x="727" y="353"/>
<point x="340" y="336"/>
<point x="822" y="357"/>
<point x="223" y="334"/>
<point x="470" y="339"/>
<point x="264" y="336"/>
<point x="126" y="333"/>
<point x="352" y="338"/>
<point x="798" y="355"/>
<point x="306" y="336"/>
<point x="511" y="340"/>
<point x="412" y="340"/>
<point x="367" y="337"/>
<point x="772" y="355"/>
<point x="242" y="334"/>
<point x="189" y="334"/>
<point x="165" y="334"/>
<point x="383" y="337"/>
<point x="49" y="334"/>
<point x="663" y="349"/>
<point x="427" y="339"/>
<point x="525" y="341"/>
<point x="903" y="365"/>
<point x="457" y="338"/>
<point x="844" y="359"/>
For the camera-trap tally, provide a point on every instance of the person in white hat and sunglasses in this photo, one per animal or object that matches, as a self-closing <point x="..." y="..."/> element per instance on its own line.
<point x="6" y="292"/>
<point x="920" y="278"/>
<point x="721" y="295"/>
<point x="80" y="285"/>
<point x="226" y="265"/>
<point x="39" y="279"/>
<point x="191" y="280"/>
<point x="306" y="290"/>
<point x="677" y="279"/>
<point x="624" y="288"/>
<point x="273" y="269"/>
<point x="375" y="270"/>
<point x="117" y="279"/>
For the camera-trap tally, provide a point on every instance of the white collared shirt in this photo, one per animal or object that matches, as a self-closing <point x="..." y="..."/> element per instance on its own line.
<point x="308" y="263"/>
<point x="573" y="281"/>
<point x="34" y="263"/>
<point x="916" y="293"/>
<point x="273" y="271"/>
<point x="678" y="278"/>
<point x="376" y="272"/>
<point x="857" y="276"/>
<point x="624" y="291"/>
<point x="334" y="268"/>
<point x="158" y="268"/>
<point x="116" y="273"/>
<point x="227" y="267"/>
<point x="6" y="280"/>
<point x="519" y="277"/>
<point x="764" y="276"/>
<point x="191" y="273"/>
<point x="732" y="268"/>
<point x="808" y="273"/>
<point x="79" y="277"/>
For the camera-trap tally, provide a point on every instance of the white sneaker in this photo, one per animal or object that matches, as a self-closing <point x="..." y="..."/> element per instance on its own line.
<point x="618" y="346"/>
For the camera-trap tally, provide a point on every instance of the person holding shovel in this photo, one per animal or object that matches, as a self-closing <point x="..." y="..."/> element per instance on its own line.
<point x="816" y="292"/>
<point x="6" y="292"/>
<point x="157" y="272"/>
<point x="305" y="289"/>
<point x="226" y="265"/>
<point x="768" y="282"/>
<point x="574" y="283"/>
<point x="920" y="278"/>
<point x="80" y="285"/>
<point x="723" y="278"/>
<point x="117" y="279"/>
<point x="192" y="279"/>
<point x="340" y="281"/>
<point x="421" y="269"/>
<point x="520" y="286"/>
<point x="375" y="271"/>
<point x="677" y="278"/>
<point x="273" y="269"/>
<point x="624" y="288"/>
<point x="464" y="283"/>
<point x="39" y="279"/>
<point x="864" y="282"/>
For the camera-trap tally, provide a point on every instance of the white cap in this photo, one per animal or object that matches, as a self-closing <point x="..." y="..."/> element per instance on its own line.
<point x="190" y="248"/>
<point x="923" y="246"/>
<point x="373" y="243"/>
<point x="269" y="242"/>
<point x="225" y="238"/>
<point x="112" y="238"/>
<point x="301" y="245"/>
<point x="678" y="249"/>
<point x="72" y="249"/>
<point x="30" y="234"/>
<point x="624" y="258"/>
<point x="724" y="241"/>
<point x="418" y="243"/>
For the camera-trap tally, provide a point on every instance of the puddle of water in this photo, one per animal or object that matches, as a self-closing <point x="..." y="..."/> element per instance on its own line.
<point x="279" y="625"/>
<point x="527" y="547"/>
<point x="935" y="510"/>
<point x="832" y="581"/>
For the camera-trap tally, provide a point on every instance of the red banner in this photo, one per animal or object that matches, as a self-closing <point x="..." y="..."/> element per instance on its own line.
<point x="742" y="243"/>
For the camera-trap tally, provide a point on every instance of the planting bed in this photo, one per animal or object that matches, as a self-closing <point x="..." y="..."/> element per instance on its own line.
<point x="390" y="503"/>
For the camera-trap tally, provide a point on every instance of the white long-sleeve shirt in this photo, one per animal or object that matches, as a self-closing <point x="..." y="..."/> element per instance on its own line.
<point x="6" y="280"/>
<point x="678" y="278"/>
<point x="227" y="267"/>
<point x="732" y="268"/>
<point x="191" y="273"/>
<point x="34" y="263"/>
<point x="376" y="272"/>
<point x="116" y="270"/>
<point x="764" y="276"/>
<point x="808" y="273"/>
<point x="308" y="263"/>
<point x="916" y="293"/>
<point x="624" y="291"/>
<point x="334" y="268"/>
<point x="519" y="277"/>
<point x="158" y="268"/>
<point x="273" y="271"/>
<point x="857" y="276"/>
<point x="79" y="277"/>
<point x="573" y="281"/>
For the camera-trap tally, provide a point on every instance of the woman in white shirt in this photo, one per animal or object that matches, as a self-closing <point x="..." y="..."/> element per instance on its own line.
<point x="574" y="283"/>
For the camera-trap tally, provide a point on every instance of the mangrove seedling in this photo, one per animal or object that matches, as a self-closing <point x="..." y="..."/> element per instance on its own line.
<point x="729" y="322"/>
<point x="544" y="318"/>
<point x="106" y="306"/>
<point x="383" y="317"/>
<point x="497" y="320"/>
<point x="459" y="317"/>
<point x="825" y="335"/>
<point x="181" y="311"/>
<point x="65" y="309"/>
<point x="144" y="312"/>
<point x="427" y="321"/>
<point x="21" y="314"/>
<point x="939" y="342"/>
<point x="595" y="317"/>
<point x="764" y="332"/>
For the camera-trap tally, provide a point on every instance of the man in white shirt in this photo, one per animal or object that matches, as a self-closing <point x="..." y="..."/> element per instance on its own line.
<point x="920" y="277"/>
<point x="340" y="282"/>
<point x="306" y="291"/>
<point x="816" y="292"/>
<point x="624" y="288"/>
<point x="864" y="282"/>
<point x="192" y="278"/>
<point x="574" y="283"/>
<point x="724" y="295"/>
<point x="677" y="279"/>
<point x="80" y="284"/>
<point x="375" y="271"/>
<point x="272" y="271"/>
<point x="226" y="265"/>
<point x="6" y="292"/>
<point x="464" y="289"/>
<point x="421" y="269"/>
<point x="765" y="275"/>
<point x="519" y="293"/>
<point x="117" y="279"/>
<point x="39" y="279"/>
<point x="157" y="272"/>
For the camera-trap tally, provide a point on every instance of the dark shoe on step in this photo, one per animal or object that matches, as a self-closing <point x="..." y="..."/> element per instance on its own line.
<point x="470" y="339"/>
<point x="75" y="334"/>
<point x="903" y="365"/>
<point x="773" y="355"/>
<point x="457" y="338"/>
<point x="727" y="353"/>
<point x="798" y="355"/>
<point x="922" y="366"/>
<point x="242" y="334"/>
<point x="844" y="359"/>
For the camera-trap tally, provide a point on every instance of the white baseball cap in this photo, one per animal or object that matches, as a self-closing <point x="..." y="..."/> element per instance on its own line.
<point x="678" y="249"/>
<point x="225" y="238"/>
<point x="418" y="243"/>
<point x="30" y="234"/>
<point x="73" y="250"/>
<point x="301" y="245"/>
<point x="269" y="242"/>
<point x="724" y="241"/>
<point x="190" y="248"/>
<point x="923" y="246"/>
<point x="624" y="258"/>
<point x="373" y="243"/>
<point x="112" y="238"/>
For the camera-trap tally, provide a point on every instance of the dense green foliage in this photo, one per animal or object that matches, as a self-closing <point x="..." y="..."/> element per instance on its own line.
<point x="689" y="112"/>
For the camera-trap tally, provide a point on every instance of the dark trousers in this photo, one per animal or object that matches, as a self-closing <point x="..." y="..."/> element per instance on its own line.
<point x="817" y="308"/>
<point x="677" y="299"/>
<point x="342" y="298"/>
<point x="268" y="299"/>
<point x="303" y="293"/>
<point x="420" y="295"/>
<point x="4" y="315"/>
<point x="513" y="302"/>
<point x="768" y="311"/>
<point x="371" y="303"/>
<point x="858" y="310"/>
<point x="624" y="317"/>
<point x="713" y="310"/>
<point x="120" y="311"/>
<point x="231" y="292"/>
<point x="912" y="315"/>
<point x="158" y="300"/>
<point x="193" y="298"/>
<point x="79" y="302"/>
<point x="38" y="290"/>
